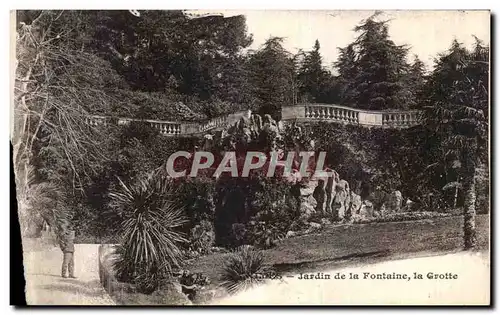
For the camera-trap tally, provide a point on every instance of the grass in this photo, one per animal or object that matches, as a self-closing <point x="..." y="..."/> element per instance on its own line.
<point x="335" y="247"/>
<point x="359" y="243"/>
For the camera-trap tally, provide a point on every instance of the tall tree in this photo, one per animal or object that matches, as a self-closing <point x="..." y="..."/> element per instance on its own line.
<point x="416" y="80"/>
<point x="58" y="82"/>
<point x="272" y="73"/>
<point x="348" y="69"/>
<point x="167" y="50"/>
<point x="457" y="96"/>
<point x="311" y="74"/>
<point x="316" y="83"/>
<point x="380" y="68"/>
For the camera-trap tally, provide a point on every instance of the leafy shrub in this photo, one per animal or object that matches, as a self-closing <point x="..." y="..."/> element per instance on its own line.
<point x="150" y="241"/>
<point x="244" y="268"/>
<point x="276" y="210"/>
<point x="402" y="216"/>
<point x="202" y="238"/>
<point x="264" y="234"/>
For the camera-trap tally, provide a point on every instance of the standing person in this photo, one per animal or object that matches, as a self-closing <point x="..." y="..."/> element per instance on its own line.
<point x="66" y="242"/>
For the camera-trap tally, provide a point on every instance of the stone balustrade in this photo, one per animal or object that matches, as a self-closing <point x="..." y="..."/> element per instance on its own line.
<point x="214" y="123"/>
<point x="166" y="128"/>
<point x="304" y="113"/>
<point x="333" y="113"/>
<point x="352" y="116"/>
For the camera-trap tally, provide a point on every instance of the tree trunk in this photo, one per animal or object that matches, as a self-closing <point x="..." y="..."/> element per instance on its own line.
<point x="470" y="212"/>
<point x="455" y="197"/>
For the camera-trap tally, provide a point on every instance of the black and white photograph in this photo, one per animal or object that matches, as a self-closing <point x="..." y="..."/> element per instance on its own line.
<point x="251" y="157"/>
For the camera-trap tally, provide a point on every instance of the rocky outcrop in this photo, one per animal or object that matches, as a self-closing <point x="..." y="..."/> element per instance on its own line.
<point x="366" y="209"/>
<point x="342" y="200"/>
<point x="394" y="203"/>
<point x="356" y="204"/>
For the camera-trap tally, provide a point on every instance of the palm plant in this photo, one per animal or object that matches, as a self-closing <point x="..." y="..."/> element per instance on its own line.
<point x="150" y="246"/>
<point x="243" y="269"/>
<point x="457" y="111"/>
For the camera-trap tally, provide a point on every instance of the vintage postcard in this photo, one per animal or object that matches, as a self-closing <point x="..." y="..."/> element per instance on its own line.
<point x="184" y="157"/>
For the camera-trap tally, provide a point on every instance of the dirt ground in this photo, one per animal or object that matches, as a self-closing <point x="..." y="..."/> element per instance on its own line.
<point x="45" y="286"/>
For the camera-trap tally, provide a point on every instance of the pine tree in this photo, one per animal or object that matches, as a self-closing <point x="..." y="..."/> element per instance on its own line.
<point x="271" y="75"/>
<point x="416" y="80"/>
<point x="311" y="74"/>
<point x="348" y="71"/>
<point x="381" y="67"/>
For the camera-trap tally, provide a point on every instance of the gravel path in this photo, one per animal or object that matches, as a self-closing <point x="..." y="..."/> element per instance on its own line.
<point x="45" y="286"/>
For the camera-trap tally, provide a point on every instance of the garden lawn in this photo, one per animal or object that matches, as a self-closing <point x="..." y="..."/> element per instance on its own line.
<point x="337" y="246"/>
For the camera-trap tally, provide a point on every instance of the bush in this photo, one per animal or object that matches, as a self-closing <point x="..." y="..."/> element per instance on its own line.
<point x="276" y="211"/>
<point x="402" y="216"/>
<point x="150" y="241"/>
<point x="243" y="269"/>
<point x="202" y="238"/>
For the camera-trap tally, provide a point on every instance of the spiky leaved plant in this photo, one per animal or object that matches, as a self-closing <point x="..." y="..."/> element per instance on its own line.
<point x="243" y="269"/>
<point x="150" y="241"/>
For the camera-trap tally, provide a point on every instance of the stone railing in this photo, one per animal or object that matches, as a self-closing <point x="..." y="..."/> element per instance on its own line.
<point x="305" y="113"/>
<point x="224" y="121"/>
<point x="347" y="115"/>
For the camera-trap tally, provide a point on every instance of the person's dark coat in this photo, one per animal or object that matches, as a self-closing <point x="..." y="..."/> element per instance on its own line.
<point x="66" y="242"/>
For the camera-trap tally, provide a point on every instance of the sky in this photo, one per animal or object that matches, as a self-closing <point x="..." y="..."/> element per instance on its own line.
<point x="427" y="33"/>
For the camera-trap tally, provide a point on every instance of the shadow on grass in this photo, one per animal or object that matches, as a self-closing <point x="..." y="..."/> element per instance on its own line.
<point x="90" y="289"/>
<point x="294" y="267"/>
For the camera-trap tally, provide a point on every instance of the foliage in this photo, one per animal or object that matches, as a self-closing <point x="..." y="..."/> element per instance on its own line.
<point x="202" y="238"/>
<point x="172" y="50"/>
<point x="37" y="201"/>
<point x="402" y="216"/>
<point x="373" y="69"/>
<point x="150" y="241"/>
<point x="57" y="84"/>
<point x="456" y="109"/>
<point x="276" y="209"/>
<point x="156" y="106"/>
<point x="271" y="76"/>
<point x="316" y="84"/>
<point x="243" y="269"/>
